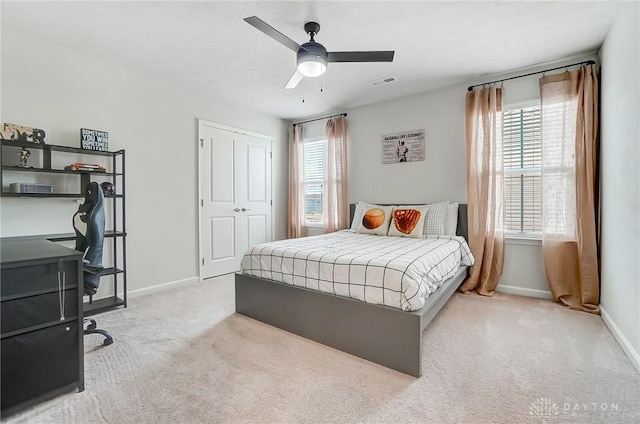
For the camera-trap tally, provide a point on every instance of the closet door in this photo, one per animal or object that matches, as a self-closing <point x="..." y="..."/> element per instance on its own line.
<point x="235" y="196"/>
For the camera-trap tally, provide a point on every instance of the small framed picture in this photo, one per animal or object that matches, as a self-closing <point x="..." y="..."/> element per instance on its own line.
<point x="94" y="140"/>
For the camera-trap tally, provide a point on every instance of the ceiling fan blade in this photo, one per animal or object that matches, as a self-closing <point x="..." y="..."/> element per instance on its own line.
<point x="374" y="56"/>
<point x="272" y="32"/>
<point x="294" y="80"/>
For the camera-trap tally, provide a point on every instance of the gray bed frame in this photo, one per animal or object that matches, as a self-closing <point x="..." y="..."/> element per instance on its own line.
<point x="381" y="334"/>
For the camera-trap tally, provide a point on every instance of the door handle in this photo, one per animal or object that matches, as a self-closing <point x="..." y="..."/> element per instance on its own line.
<point x="245" y="209"/>
<point x="236" y="210"/>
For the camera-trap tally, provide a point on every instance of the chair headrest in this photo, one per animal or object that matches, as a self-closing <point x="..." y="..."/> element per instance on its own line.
<point x="93" y="198"/>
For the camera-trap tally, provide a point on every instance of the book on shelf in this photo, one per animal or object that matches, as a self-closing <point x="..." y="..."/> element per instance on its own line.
<point x="68" y="168"/>
<point x="86" y="167"/>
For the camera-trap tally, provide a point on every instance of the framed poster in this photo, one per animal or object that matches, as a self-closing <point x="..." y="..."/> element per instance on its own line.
<point x="406" y="146"/>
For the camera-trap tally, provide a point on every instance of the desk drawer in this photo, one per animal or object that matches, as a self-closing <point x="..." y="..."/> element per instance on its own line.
<point x="33" y="278"/>
<point x="38" y="362"/>
<point x="35" y="310"/>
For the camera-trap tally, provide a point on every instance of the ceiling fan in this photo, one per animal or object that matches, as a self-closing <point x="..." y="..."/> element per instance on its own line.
<point x="312" y="56"/>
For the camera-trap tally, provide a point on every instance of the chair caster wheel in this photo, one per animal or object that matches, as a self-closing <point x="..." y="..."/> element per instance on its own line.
<point x="107" y="341"/>
<point x="92" y="323"/>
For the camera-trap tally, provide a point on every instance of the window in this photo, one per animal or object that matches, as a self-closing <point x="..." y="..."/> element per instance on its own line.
<point x="320" y="147"/>
<point x="522" y="154"/>
<point x="313" y="181"/>
<point x="559" y="164"/>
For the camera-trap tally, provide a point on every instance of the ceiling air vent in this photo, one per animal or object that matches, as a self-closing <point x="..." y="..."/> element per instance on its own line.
<point x="383" y="81"/>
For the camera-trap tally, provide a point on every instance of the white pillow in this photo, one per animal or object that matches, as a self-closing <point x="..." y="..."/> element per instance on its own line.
<point x="407" y="221"/>
<point x="357" y="215"/>
<point x="451" y="219"/>
<point x="375" y="220"/>
<point x="434" y="224"/>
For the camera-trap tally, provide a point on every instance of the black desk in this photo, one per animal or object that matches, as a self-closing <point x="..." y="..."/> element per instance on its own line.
<point x="42" y="343"/>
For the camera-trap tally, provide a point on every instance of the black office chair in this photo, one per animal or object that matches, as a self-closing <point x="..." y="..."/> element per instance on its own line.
<point x="88" y="224"/>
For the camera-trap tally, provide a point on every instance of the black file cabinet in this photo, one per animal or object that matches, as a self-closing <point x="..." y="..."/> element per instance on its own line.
<point x="42" y="349"/>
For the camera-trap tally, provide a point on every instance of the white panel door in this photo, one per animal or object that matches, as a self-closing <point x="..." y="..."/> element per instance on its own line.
<point x="258" y="209"/>
<point x="235" y="196"/>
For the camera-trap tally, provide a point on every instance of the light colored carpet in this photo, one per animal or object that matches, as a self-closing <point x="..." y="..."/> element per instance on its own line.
<point x="183" y="356"/>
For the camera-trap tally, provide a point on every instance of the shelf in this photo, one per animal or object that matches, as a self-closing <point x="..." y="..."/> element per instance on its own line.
<point x="63" y="236"/>
<point x="45" y="195"/>
<point x="79" y="150"/>
<point x="39" y="327"/>
<point x="111" y="271"/>
<point x="13" y="168"/>
<point x="56" y="148"/>
<point x="101" y="305"/>
<point x="72" y="236"/>
<point x="37" y="292"/>
<point x="46" y="168"/>
<point x="27" y="144"/>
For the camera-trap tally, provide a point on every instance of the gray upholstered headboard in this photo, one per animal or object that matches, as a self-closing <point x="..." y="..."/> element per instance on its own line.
<point x="462" y="229"/>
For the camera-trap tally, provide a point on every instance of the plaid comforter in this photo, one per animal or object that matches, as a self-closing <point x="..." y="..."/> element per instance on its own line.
<point x="393" y="271"/>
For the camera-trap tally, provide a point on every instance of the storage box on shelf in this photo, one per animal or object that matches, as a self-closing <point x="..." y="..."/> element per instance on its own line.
<point x="45" y="176"/>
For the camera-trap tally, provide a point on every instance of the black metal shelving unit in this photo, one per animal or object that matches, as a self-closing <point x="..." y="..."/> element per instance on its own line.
<point x="118" y="229"/>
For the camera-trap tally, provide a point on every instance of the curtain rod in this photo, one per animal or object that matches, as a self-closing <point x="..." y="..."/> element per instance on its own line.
<point x="318" y="119"/>
<point x="588" y="62"/>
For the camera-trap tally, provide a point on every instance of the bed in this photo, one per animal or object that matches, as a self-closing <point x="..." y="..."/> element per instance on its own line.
<point x="383" y="334"/>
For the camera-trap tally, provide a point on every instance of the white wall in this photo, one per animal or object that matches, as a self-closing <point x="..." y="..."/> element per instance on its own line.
<point x="442" y="176"/>
<point x="60" y="91"/>
<point x="620" y="180"/>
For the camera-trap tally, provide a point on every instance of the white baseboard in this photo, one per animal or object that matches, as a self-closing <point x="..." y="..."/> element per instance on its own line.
<point x="522" y="291"/>
<point x="620" y="338"/>
<point x="160" y="287"/>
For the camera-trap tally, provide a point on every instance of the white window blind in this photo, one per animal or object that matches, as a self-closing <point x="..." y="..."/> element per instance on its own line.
<point x="313" y="181"/>
<point x="522" y="154"/>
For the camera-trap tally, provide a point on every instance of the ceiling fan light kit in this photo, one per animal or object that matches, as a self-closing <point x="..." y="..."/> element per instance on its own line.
<point x="311" y="67"/>
<point x="312" y="57"/>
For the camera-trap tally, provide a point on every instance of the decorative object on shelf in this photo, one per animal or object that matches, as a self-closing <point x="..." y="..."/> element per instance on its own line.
<point x="85" y="167"/>
<point x="15" y="132"/>
<point x="108" y="189"/>
<point x="406" y="146"/>
<point x="31" y="188"/>
<point x="24" y="156"/>
<point x="94" y="140"/>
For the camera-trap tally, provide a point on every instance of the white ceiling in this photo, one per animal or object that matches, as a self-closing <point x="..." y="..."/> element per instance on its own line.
<point x="207" y="46"/>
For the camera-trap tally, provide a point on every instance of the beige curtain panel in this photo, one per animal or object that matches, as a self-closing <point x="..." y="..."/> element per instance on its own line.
<point x="335" y="209"/>
<point x="485" y="189"/>
<point x="569" y="102"/>
<point x="296" y="227"/>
